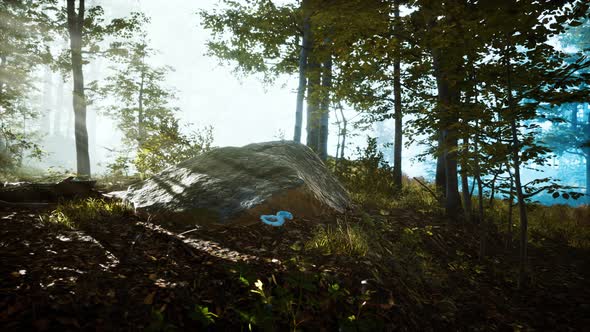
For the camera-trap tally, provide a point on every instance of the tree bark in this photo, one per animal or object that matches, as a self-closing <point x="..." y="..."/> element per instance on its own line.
<point x="447" y="99"/>
<point x="303" y="55"/>
<point x="397" y="87"/>
<point x="344" y="124"/>
<point x="140" y="114"/>
<point x="480" y="210"/>
<point x="57" y="116"/>
<point x="325" y="108"/>
<point x="522" y="270"/>
<point x="465" y="181"/>
<point x="521" y="206"/>
<point x="574" y="117"/>
<point x="75" y="27"/>
<point x="440" y="179"/>
<point x="587" y="153"/>
<point x="313" y="111"/>
<point x="510" y="206"/>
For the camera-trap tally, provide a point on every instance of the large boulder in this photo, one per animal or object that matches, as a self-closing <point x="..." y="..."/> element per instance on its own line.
<point x="234" y="185"/>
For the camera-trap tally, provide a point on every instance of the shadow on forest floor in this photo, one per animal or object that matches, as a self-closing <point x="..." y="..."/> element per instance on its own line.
<point x="421" y="273"/>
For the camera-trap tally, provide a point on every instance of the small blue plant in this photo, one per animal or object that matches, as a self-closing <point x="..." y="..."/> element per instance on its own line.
<point x="277" y="220"/>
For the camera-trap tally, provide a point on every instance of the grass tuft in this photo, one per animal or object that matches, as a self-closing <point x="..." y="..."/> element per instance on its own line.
<point x="76" y="214"/>
<point x="342" y="239"/>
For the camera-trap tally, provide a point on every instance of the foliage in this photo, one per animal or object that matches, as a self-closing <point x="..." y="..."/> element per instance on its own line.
<point x="342" y="239"/>
<point x="263" y="36"/>
<point x="23" y="49"/>
<point x="171" y="147"/>
<point x="556" y="223"/>
<point x="370" y="176"/>
<point x="81" y="213"/>
<point x="153" y="138"/>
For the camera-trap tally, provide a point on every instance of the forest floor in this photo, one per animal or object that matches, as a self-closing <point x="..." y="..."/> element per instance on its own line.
<point x="421" y="272"/>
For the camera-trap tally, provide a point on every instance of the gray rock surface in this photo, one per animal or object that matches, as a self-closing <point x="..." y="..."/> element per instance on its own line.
<point x="234" y="185"/>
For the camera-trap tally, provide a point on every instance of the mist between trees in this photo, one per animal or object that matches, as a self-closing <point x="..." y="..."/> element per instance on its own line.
<point x="359" y="65"/>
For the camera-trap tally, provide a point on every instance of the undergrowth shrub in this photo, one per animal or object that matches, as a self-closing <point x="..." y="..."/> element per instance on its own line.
<point x="369" y="179"/>
<point x="415" y="197"/>
<point x="341" y="239"/>
<point x="562" y="223"/>
<point x="80" y="213"/>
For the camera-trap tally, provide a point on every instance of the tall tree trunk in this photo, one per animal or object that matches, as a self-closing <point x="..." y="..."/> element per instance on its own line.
<point x="3" y="61"/>
<point x="75" y="27"/>
<point x="574" y="117"/>
<point x="441" y="178"/>
<point x="344" y="133"/>
<point x="140" y="114"/>
<point x="447" y="100"/>
<point x="522" y="270"/>
<point x="57" y="115"/>
<point x="313" y="101"/>
<point x="587" y="153"/>
<point x="303" y="55"/>
<point x="510" y="206"/>
<point x="452" y="199"/>
<point x="47" y="106"/>
<point x="493" y="187"/>
<point x="339" y="124"/>
<point x="397" y="87"/>
<point x="465" y="180"/>
<point x="587" y="175"/>
<point x="325" y="108"/>
<point x="480" y="211"/>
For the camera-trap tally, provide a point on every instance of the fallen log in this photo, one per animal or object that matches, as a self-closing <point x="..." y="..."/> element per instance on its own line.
<point x="29" y="205"/>
<point x="33" y="194"/>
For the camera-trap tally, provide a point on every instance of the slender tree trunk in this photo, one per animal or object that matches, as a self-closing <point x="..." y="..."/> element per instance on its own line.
<point x="441" y="178"/>
<point x="140" y="114"/>
<point x="339" y="137"/>
<point x="344" y="133"/>
<point x="574" y="117"/>
<point x="57" y="116"/>
<point x="522" y="270"/>
<point x="587" y="153"/>
<point x="397" y="87"/>
<point x="2" y="67"/>
<point x="447" y="99"/>
<point x="521" y="206"/>
<point x="480" y="210"/>
<point x="3" y="138"/>
<point x="493" y="187"/>
<point x="477" y="175"/>
<point x="510" y="205"/>
<point x="587" y="175"/>
<point x="465" y="181"/>
<point x="75" y="27"/>
<point x="313" y="111"/>
<point x="47" y="102"/>
<point x="3" y="141"/>
<point x="303" y="55"/>
<point x="325" y="108"/>
<point x="452" y="199"/>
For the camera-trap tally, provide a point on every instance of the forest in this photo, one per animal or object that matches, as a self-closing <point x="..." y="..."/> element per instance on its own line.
<point x="295" y="165"/>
